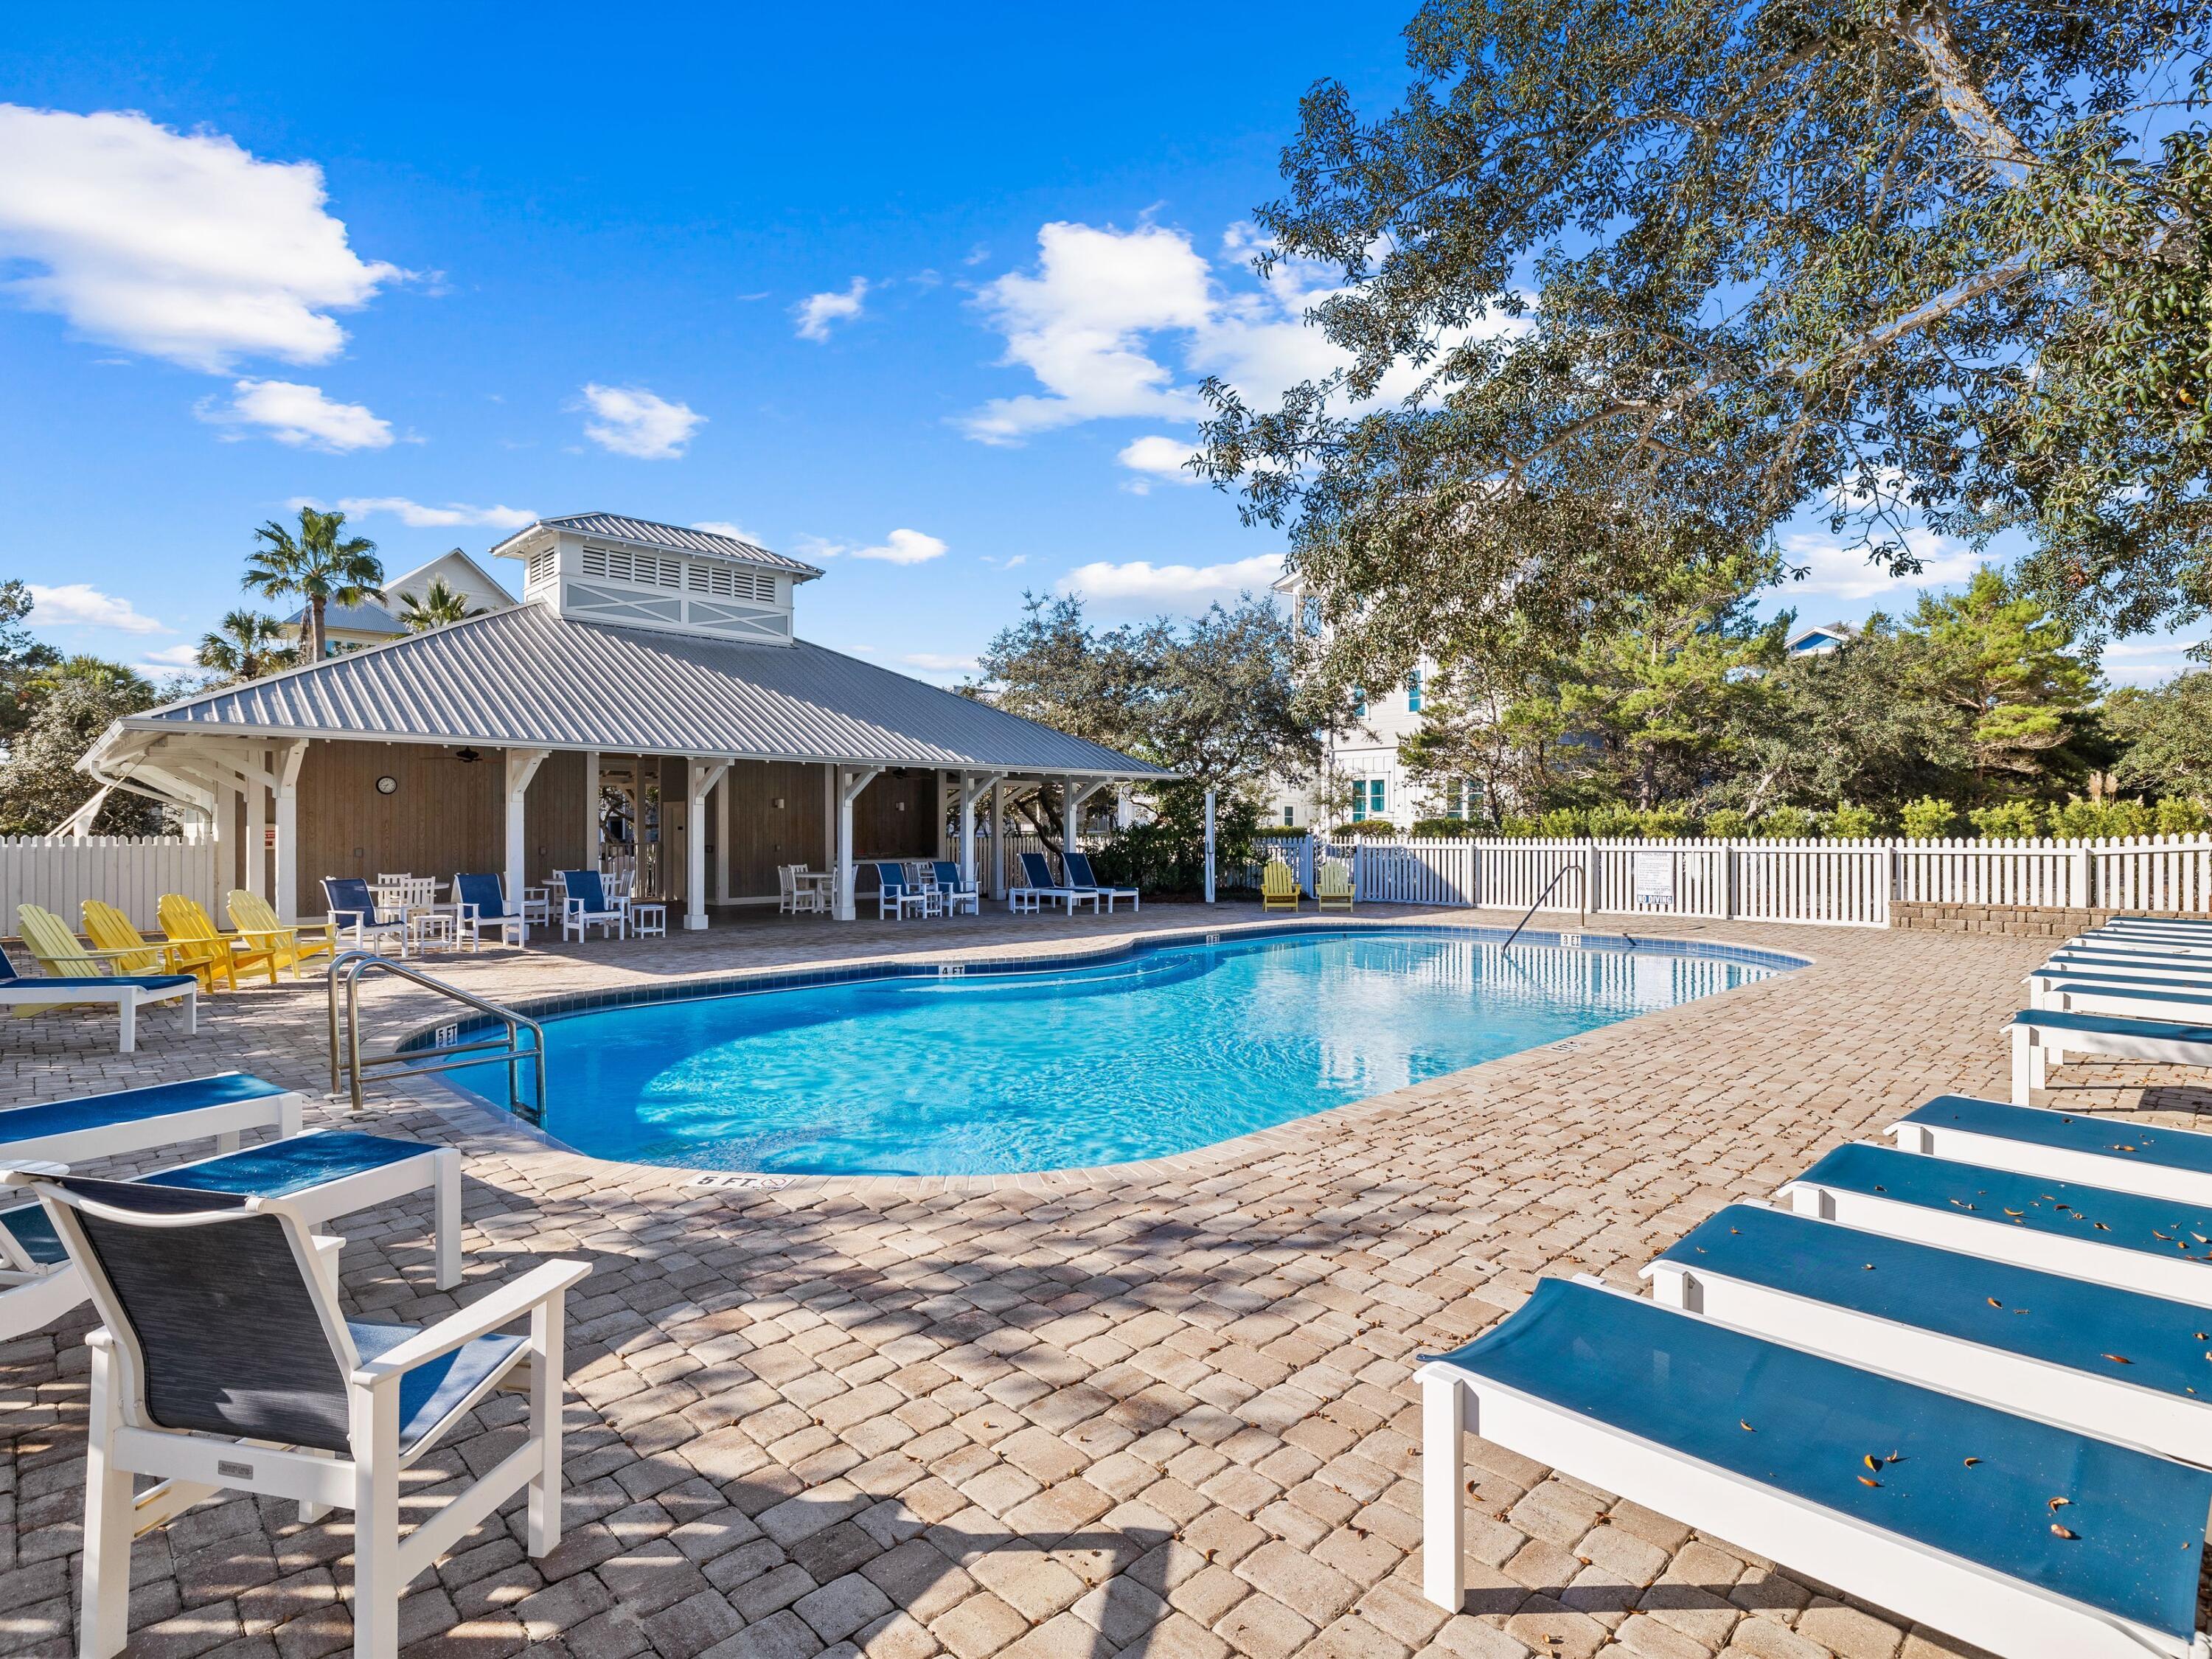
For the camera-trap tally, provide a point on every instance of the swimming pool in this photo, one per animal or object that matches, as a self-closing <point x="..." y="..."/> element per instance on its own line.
<point x="1161" y="1049"/>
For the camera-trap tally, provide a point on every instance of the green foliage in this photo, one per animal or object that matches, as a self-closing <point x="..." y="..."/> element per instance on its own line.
<point x="1727" y="824"/>
<point x="2076" y="819"/>
<point x="1665" y="823"/>
<point x="1449" y="828"/>
<point x="2176" y="816"/>
<point x="1786" y="824"/>
<point x="1365" y="829"/>
<point x="1929" y="819"/>
<point x="76" y="700"/>
<point x="1850" y="823"/>
<point x="2165" y="735"/>
<point x="436" y="605"/>
<point x="22" y="659"/>
<point x="1611" y="821"/>
<point x="2011" y="674"/>
<point x="1564" y="822"/>
<point x="321" y="566"/>
<point x="247" y="645"/>
<point x="2016" y="820"/>
<point x="1673" y="271"/>
<point x="1167" y="855"/>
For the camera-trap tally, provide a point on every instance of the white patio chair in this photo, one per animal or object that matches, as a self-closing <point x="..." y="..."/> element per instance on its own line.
<point x="224" y="1363"/>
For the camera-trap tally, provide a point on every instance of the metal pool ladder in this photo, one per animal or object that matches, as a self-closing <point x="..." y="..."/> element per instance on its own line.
<point x="348" y="1069"/>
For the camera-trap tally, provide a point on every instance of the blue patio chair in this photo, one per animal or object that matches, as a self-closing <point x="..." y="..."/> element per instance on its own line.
<point x="353" y="910"/>
<point x="126" y="994"/>
<point x="894" y="895"/>
<point x="223" y="1361"/>
<point x="329" y="1174"/>
<point x="1080" y="874"/>
<point x="1937" y="1508"/>
<point x="584" y="904"/>
<point x="1037" y="885"/>
<point x="481" y="904"/>
<point x="954" y="893"/>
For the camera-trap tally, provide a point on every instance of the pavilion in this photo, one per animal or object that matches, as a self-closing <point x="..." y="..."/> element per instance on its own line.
<point x="646" y="659"/>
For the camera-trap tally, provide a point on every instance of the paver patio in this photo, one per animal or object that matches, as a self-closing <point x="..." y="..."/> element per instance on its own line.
<point x="1163" y="1412"/>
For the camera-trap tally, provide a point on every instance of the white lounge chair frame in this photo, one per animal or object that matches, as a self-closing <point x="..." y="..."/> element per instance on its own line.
<point x="2141" y="998"/>
<point x="191" y="1467"/>
<point x="1955" y="1595"/>
<point x="124" y="995"/>
<point x="2108" y="1407"/>
<point x="2174" y="1278"/>
<point x="224" y="1121"/>
<point x="2036" y="1048"/>
<point x="2141" y="945"/>
<point x="2080" y="965"/>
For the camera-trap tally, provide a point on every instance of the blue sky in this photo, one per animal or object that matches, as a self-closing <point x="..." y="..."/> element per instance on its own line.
<point x="924" y="296"/>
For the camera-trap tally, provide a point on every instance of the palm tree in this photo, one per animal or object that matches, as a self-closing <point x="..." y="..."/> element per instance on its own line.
<point x="318" y="566"/>
<point x="248" y="645"/>
<point x="437" y="606"/>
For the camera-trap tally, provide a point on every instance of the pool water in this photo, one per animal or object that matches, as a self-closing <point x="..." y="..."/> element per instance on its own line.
<point x="1163" y="1050"/>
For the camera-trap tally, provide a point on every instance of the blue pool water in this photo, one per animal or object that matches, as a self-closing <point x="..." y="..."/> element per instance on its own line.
<point x="1166" y="1050"/>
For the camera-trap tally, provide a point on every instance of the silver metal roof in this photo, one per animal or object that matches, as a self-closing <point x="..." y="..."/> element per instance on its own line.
<point x="675" y="537"/>
<point x="527" y="679"/>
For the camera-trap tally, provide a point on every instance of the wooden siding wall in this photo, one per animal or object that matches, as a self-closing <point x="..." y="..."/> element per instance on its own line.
<point x="444" y="816"/>
<point x="881" y="830"/>
<point x="553" y="817"/>
<point x="762" y="836"/>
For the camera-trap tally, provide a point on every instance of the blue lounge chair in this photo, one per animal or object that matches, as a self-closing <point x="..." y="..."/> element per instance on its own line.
<point x="1936" y="1508"/>
<point x="353" y="911"/>
<point x="584" y="904"/>
<point x="2189" y="1001"/>
<point x="1038" y="885"/>
<point x="2044" y="1038"/>
<point x="482" y="904"/>
<point x="324" y="1175"/>
<point x="894" y="895"/>
<point x="955" y="892"/>
<point x="2093" y="1148"/>
<point x="126" y="994"/>
<point x="130" y="1120"/>
<point x="2156" y="1245"/>
<point x="224" y="1362"/>
<point x="1080" y="874"/>
<point x="2022" y="1339"/>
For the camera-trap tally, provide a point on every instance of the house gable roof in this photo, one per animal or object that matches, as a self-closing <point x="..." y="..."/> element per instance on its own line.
<point x="525" y="677"/>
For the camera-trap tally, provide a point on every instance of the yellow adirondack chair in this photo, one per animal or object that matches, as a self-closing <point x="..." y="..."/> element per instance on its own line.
<point x="1332" y="885"/>
<point x="133" y="952"/>
<point x="58" y="950"/>
<point x="193" y="931"/>
<point x="255" y="918"/>
<point x="1279" y="886"/>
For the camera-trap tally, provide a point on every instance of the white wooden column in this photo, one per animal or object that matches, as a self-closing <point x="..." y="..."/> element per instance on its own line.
<point x="998" y="838"/>
<point x="522" y="765"/>
<point x="972" y="789"/>
<point x="287" y="830"/>
<point x="1070" y="806"/>
<point x="589" y="859"/>
<point x="700" y="777"/>
<point x="257" y="834"/>
<point x="224" y="811"/>
<point x="1209" y="847"/>
<point x="851" y="780"/>
<point x="723" y="838"/>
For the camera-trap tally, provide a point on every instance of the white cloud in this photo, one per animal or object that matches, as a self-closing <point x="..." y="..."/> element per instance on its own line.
<point x="80" y="605"/>
<point x="939" y="662"/>
<point x="631" y="420"/>
<point x="1155" y="460"/>
<point x="724" y="527"/>
<point x="1832" y="568"/>
<point x="418" y="515"/>
<point x="299" y="415"/>
<point x="903" y="547"/>
<point x="181" y="245"/>
<point x="168" y="659"/>
<point x="818" y="314"/>
<point x="2147" y="661"/>
<point x="1140" y="585"/>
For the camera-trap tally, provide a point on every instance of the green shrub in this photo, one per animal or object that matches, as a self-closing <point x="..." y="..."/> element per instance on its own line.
<point x="2089" y="820"/>
<point x="1727" y="824"/>
<point x="2013" y="820"/>
<point x="1665" y="823"/>
<point x="1850" y="823"/>
<point x="1564" y="822"/>
<point x="1519" y="825"/>
<point x="2128" y="817"/>
<point x="1365" y="829"/>
<point x="2178" y="816"/>
<point x="1167" y="854"/>
<point x="1786" y="824"/>
<point x="1613" y="822"/>
<point x="1446" y="827"/>
<point x="1929" y="819"/>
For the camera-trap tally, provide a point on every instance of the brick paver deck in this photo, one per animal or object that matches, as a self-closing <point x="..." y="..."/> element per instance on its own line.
<point x="1163" y="1412"/>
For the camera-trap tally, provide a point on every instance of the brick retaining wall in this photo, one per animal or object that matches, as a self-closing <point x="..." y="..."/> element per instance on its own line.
<point x="2013" y="921"/>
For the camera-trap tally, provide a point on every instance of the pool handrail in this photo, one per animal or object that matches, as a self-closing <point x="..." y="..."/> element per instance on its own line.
<point x="347" y="1066"/>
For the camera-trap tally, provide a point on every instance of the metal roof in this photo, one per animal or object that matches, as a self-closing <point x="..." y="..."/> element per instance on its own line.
<point x="675" y="537"/>
<point x="527" y="679"/>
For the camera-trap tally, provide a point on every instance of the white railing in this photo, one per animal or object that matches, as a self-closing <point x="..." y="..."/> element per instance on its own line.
<point x="1843" y="883"/>
<point x="130" y="873"/>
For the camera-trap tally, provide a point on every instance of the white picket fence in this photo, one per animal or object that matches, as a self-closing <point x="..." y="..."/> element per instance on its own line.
<point x="130" y="873"/>
<point x="1845" y="884"/>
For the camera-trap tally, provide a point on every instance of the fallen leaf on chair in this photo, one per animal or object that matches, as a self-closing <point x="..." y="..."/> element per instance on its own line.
<point x="1865" y="1481"/>
<point x="2062" y="1532"/>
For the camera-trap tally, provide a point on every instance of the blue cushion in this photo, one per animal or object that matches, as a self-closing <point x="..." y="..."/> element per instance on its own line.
<point x="2192" y="992"/>
<point x="2156" y="1031"/>
<point x="2065" y="1209"/>
<point x="1690" y="1386"/>
<point x="278" y="1168"/>
<point x="351" y="895"/>
<point x="585" y="887"/>
<point x="132" y="1105"/>
<point x="2073" y="1131"/>
<point x="484" y="892"/>
<point x="88" y="981"/>
<point x="433" y="1389"/>
<point x="2041" y="1316"/>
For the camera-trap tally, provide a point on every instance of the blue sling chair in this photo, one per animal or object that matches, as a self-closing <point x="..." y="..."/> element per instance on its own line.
<point x="353" y="910"/>
<point x="953" y="893"/>
<point x="584" y="904"/>
<point x="894" y="895"/>
<point x="483" y="904"/>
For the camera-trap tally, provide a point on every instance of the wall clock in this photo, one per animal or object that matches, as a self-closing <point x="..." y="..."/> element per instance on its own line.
<point x="385" y="786"/>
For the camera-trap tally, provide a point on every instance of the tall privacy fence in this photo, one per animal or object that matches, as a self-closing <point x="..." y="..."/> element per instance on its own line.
<point x="1847" y="883"/>
<point x="130" y="873"/>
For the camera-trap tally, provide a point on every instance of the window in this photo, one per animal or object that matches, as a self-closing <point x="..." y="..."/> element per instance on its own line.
<point x="620" y="565"/>
<point x="1413" y="692"/>
<point x="1455" y="799"/>
<point x="1310" y="614"/>
<point x="1289" y="817"/>
<point x="1368" y="799"/>
<point x="1358" y="703"/>
<point x="541" y="564"/>
<point x="727" y="582"/>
